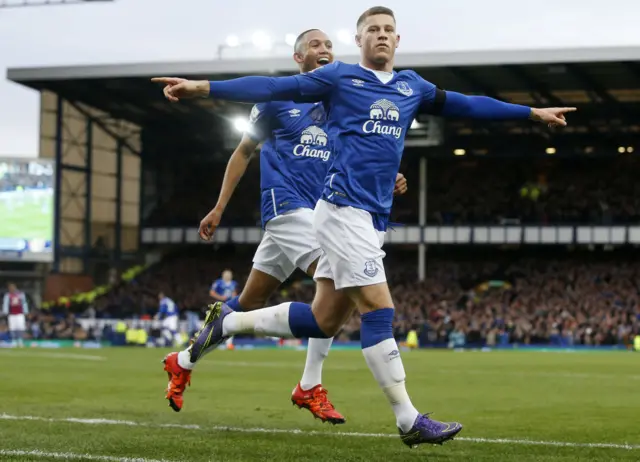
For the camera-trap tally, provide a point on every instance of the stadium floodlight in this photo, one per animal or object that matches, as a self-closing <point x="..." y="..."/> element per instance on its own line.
<point x="232" y="41"/>
<point x="345" y="36"/>
<point x="630" y="149"/>
<point x="241" y="124"/>
<point x="621" y="149"/>
<point x="290" y="39"/>
<point x="261" y="40"/>
<point x="550" y="150"/>
<point x="459" y="152"/>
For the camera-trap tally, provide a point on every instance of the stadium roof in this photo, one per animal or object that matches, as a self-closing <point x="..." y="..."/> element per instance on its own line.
<point x="603" y="82"/>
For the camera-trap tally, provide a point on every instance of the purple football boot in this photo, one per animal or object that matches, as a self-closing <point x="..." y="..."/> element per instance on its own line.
<point x="210" y="336"/>
<point x="428" y="431"/>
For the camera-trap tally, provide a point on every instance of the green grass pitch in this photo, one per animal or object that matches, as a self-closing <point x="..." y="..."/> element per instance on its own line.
<point x="515" y="406"/>
<point x="27" y="218"/>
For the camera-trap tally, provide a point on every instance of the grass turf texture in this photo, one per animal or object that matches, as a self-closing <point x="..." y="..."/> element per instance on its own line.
<point x="25" y="219"/>
<point x="581" y="398"/>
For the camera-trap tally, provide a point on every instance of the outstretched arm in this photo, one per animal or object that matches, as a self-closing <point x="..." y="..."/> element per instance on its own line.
<point x="481" y="107"/>
<point x="452" y="104"/>
<point x="254" y="89"/>
<point x="308" y="87"/>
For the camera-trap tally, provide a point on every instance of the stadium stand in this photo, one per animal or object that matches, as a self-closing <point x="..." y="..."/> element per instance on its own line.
<point x="463" y="191"/>
<point x="471" y="297"/>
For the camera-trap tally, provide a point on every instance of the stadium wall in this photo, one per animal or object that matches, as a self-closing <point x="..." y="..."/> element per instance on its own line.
<point x="98" y="187"/>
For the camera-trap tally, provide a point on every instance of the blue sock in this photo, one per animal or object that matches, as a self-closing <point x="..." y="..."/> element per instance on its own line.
<point x="376" y="327"/>
<point x="234" y="304"/>
<point x="302" y="322"/>
<point x="381" y="352"/>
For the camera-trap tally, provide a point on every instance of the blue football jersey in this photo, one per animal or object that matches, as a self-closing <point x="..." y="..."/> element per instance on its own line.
<point x="168" y="308"/>
<point x="224" y="289"/>
<point x="368" y="120"/>
<point x="295" y="156"/>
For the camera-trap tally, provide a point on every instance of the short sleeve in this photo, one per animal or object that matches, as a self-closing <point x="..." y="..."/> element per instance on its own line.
<point x="259" y="123"/>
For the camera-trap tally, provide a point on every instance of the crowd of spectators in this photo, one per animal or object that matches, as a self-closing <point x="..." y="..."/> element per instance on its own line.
<point x="460" y="190"/>
<point x="55" y="324"/>
<point x="535" y="191"/>
<point x="482" y="297"/>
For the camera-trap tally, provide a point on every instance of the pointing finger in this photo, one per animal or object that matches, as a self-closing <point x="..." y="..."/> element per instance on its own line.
<point x="165" y="80"/>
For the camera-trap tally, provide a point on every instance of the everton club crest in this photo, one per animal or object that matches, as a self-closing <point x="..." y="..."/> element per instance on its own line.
<point x="404" y="88"/>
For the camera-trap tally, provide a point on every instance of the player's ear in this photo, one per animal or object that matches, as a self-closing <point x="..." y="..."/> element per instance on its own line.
<point x="397" y="40"/>
<point x="359" y="40"/>
<point x="298" y="58"/>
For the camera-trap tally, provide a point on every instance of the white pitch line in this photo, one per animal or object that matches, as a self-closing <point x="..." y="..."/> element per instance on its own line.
<point x="15" y="354"/>
<point x="73" y="456"/>
<point x="294" y="431"/>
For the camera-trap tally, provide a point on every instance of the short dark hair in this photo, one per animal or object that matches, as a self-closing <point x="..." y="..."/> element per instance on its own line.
<point x="372" y="12"/>
<point x="300" y="39"/>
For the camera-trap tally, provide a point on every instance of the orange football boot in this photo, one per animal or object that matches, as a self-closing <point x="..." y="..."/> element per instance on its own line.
<point x="179" y="378"/>
<point x="318" y="403"/>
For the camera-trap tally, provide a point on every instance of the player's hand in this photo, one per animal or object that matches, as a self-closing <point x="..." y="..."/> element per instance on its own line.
<point x="209" y="224"/>
<point x="176" y="88"/>
<point x="552" y="116"/>
<point x="401" y="185"/>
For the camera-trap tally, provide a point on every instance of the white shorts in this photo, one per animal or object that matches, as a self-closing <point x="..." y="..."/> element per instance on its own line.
<point x="17" y="322"/>
<point x="352" y="246"/>
<point x="171" y="323"/>
<point x="289" y="242"/>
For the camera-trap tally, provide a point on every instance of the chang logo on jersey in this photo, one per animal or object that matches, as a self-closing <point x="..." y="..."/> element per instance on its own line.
<point x="383" y="119"/>
<point x="312" y="142"/>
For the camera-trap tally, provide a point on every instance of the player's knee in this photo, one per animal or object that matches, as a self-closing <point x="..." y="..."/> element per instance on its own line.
<point x="328" y="325"/>
<point x="252" y="302"/>
<point x="329" y="321"/>
<point x="371" y="298"/>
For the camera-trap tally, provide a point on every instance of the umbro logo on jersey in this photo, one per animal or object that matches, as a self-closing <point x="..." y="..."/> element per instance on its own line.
<point x="312" y="142"/>
<point x="404" y="88"/>
<point x="358" y="82"/>
<point x="294" y="112"/>
<point x="383" y="118"/>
